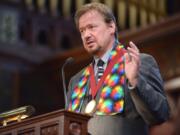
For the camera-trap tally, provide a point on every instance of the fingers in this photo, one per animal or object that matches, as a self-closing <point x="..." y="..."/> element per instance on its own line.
<point x="127" y="57"/>
<point x="133" y="46"/>
<point x="133" y="53"/>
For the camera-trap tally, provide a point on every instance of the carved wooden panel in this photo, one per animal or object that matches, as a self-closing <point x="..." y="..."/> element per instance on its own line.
<point x="29" y="131"/>
<point x="50" y="129"/>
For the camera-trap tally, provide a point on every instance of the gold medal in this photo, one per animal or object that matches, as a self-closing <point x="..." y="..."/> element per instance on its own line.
<point x="90" y="107"/>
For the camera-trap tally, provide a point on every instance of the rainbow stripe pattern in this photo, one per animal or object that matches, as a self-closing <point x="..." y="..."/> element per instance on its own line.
<point x="112" y="95"/>
<point x="112" y="91"/>
<point x="79" y="91"/>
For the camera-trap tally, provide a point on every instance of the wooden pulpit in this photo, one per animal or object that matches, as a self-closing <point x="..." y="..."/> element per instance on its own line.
<point x="60" y="122"/>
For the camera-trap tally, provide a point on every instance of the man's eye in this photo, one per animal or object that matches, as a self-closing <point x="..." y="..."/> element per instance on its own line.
<point x="92" y="27"/>
<point x="81" y="31"/>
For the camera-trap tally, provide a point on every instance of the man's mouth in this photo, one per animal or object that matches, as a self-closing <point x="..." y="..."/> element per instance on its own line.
<point x="89" y="43"/>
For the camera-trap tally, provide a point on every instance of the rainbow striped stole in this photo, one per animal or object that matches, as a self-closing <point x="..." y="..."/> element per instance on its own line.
<point x="111" y="99"/>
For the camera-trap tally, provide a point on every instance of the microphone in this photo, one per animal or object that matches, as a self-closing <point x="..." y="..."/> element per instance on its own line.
<point x="16" y="114"/>
<point x="68" y="61"/>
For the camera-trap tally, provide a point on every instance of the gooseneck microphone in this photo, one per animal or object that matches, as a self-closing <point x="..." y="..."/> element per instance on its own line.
<point x="68" y="61"/>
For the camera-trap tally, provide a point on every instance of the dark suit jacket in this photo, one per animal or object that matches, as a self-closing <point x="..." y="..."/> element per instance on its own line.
<point x="144" y="106"/>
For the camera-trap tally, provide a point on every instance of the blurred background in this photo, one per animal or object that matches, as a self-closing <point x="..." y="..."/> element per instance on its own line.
<point x="37" y="36"/>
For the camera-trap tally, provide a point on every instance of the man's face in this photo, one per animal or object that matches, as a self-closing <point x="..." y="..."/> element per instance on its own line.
<point x="97" y="36"/>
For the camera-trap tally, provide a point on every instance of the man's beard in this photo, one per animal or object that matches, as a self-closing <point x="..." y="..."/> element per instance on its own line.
<point x="94" y="51"/>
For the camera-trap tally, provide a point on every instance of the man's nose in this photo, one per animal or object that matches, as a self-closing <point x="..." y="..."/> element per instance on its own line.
<point x="87" y="34"/>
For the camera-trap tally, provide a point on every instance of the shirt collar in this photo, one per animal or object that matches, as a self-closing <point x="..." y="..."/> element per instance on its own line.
<point x="106" y="56"/>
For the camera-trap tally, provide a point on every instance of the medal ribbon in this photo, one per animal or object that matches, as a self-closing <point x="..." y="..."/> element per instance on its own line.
<point x="95" y="86"/>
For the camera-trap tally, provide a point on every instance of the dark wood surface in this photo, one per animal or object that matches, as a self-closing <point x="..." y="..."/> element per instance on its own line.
<point x="53" y="123"/>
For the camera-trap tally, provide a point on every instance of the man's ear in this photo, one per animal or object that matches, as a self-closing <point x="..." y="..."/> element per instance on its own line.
<point x="112" y="27"/>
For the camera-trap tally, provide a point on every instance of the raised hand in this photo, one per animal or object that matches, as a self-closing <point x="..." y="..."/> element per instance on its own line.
<point x="132" y="63"/>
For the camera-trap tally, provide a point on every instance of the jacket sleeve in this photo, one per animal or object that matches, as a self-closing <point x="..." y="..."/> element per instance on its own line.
<point x="149" y="97"/>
